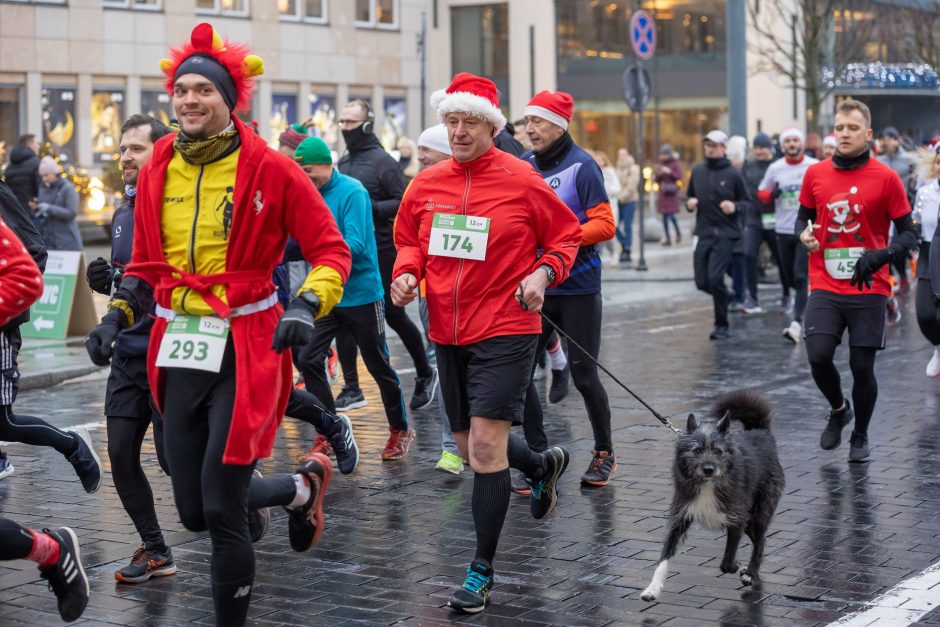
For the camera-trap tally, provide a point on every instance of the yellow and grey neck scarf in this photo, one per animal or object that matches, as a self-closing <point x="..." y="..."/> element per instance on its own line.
<point x="203" y="151"/>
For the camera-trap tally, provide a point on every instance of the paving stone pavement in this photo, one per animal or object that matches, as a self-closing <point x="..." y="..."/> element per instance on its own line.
<point x="399" y="535"/>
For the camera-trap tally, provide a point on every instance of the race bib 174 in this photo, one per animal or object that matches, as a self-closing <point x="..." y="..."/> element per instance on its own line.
<point x="463" y="237"/>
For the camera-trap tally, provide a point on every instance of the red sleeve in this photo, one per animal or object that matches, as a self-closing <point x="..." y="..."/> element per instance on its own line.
<point x="600" y="226"/>
<point x="806" y="189"/>
<point x="896" y="196"/>
<point x="556" y="228"/>
<point x="763" y="195"/>
<point x="311" y="223"/>
<point x="411" y="258"/>
<point x="20" y="280"/>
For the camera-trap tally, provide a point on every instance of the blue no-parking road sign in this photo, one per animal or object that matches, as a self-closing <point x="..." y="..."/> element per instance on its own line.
<point x="643" y="34"/>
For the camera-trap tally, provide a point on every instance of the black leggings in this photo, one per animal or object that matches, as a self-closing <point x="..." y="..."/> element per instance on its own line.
<point x="125" y="437"/>
<point x="210" y="494"/>
<point x="304" y="406"/>
<point x="580" y="317"/>
<point x="927" y="311"/>
<point x="710" y="262"/>
<point x="34" y="431"/>
<point x="794" y="268"/>
<point x="16" y="541"/>
<point x="753" y="236"/>
<point x="821" y="349"/>
<point x="397" y="318"/>
<point x="367" y="326"/>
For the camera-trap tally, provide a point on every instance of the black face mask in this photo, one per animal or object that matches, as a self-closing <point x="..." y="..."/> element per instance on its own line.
<point x="356" y="138"/>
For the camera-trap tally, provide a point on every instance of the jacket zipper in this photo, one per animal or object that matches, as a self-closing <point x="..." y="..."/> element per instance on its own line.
<point x="463" y="209"/>
<point x="192" y="237"/>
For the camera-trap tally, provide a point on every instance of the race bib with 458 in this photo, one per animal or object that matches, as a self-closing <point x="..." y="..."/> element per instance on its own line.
<point x="463" y="237"/>
<point x="840" y="262"/>
<point x="194" y="342"/>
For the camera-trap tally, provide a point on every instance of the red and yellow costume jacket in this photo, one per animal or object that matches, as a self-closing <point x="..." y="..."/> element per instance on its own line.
<point x="207" y="240"/>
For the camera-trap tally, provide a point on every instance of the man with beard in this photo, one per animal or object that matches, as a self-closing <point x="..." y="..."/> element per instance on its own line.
<point x="366" y="161"/>
<point x="781" y="186"/>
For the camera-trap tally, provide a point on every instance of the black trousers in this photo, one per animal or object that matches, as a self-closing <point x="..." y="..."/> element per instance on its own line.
<point x="753" y="237"/>
<point x="580" y="317"/>
<point x="16" y="541"/>
<point x="209" y="494"/>
<point x="795" y="268"/>
<point x="366" y="324"/>
<point x="710" y="263"/>
<point x="397" y="319"/>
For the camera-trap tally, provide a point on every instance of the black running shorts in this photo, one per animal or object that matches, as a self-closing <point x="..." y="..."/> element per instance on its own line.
<point x="487" y="379"/>
<point x="128" y="392"/>
<point x="863" y="314"/>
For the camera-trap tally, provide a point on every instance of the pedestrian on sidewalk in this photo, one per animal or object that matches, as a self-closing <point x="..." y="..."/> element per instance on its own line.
<point x="667" y="174"/>
<point x="629" y="174"/>
<point x="575" y="305"/>
<point x="926" y="205"/>
<point x="718" y="193"/>
<point x="483" y="264"/>
<point x="57" y="208"/>
<point x="847" y="206"/>
<point x="210" y="273"/>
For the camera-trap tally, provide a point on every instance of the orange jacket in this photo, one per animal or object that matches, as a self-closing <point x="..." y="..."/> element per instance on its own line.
<point x="470" y="300"/>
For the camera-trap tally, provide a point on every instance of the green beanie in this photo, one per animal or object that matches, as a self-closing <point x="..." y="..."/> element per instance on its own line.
<point x="313" y="151"/>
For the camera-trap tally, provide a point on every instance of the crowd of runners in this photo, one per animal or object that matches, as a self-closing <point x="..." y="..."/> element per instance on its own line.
<point x="233" y="264"/>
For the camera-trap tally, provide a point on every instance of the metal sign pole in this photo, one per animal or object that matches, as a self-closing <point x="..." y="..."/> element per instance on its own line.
<point x="641" y="161"/>
<point x="636" y="92"/>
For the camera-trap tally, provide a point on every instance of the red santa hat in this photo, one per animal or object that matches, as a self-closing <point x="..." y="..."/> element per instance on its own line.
<point x="554" y="106"/>
<point x="792" y="131"/>
<point x="470" y="94"/>
<point x="229" y="66"/>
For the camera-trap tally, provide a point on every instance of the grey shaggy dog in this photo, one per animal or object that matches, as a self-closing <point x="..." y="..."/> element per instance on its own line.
<point x="725" y="478"/>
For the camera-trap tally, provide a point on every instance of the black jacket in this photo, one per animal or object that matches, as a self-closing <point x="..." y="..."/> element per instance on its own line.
<point x="380" y="175"/>
<point x="19" y="219"/>
<point x="713" y="182"/>
<point x="506" y="141"/>
<point x="753" y="173"/>
<point x="22" y="175"/>
<point x="133" y="341"/>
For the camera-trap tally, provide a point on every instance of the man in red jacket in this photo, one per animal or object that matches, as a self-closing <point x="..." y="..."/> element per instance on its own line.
<point x="472" y="226"/>
<point x="214" y="208"/>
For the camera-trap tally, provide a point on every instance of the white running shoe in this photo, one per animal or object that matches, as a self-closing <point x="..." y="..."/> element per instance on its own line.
<point x="794" y="332"/>
<point x="933" y="366"/>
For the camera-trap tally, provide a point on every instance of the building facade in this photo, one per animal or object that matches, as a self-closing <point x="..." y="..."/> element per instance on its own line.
<point x="71" y="70"/>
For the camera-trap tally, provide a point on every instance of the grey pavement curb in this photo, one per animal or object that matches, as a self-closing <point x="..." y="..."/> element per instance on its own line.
<point x="46" y="379"/>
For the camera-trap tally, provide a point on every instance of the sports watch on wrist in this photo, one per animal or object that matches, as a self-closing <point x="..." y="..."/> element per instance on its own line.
<point x="549" y="271"/>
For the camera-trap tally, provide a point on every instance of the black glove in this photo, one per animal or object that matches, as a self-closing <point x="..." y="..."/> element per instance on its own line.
<point x="99" y="274"/>
<point x="776" y="191"/>
<point x="100" y="342"/>
<point x="295" y="328"/>
<point x="867" y="265"/>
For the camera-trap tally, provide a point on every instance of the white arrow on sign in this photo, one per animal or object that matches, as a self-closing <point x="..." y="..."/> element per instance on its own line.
<point x="41" y="323"/>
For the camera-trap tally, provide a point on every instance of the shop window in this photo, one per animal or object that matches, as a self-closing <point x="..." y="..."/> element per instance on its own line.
<point x="58" y="122"/>
<point x="480" y="43"/>
<point x="377" y="13"/>
<point x="283" y="114"/>
<point x="156" y="103"/>
<point x="396" y="118"/>
<point x="323" y="119"/>
<point x="9" y="120"/>
<point x="107" y="111"/>
<point x="143" y="5"/>
<point x="235" y="8"/>
<point x="313" y="11"/>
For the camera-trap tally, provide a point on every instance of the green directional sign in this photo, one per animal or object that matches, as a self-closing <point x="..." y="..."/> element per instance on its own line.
<point x="52" y="315"/>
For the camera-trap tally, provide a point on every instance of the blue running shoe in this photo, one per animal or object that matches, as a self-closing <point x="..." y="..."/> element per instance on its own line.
<point x="475" y="593"/>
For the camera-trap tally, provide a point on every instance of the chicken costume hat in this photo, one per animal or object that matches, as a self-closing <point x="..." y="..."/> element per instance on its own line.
<point x="230" y="66"/>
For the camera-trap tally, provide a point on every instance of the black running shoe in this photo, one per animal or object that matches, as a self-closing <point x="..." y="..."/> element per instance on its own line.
<point x="258" y="519"/>
<point x="67" y="577"/>
<point x="603" y="464"/>
<point x="559" y="389"/>
<point x="305" y="524"/>
<point x="349" y="398"/>
<point x="85" y="461"/>
<point x="475" y="593"/>
<point x="344" y="444"/>
<point x="145" y="564"/>
<point x="424" y="391"/>
<point x="519" y="484"/>
<point x="858" y="448"/>
<point x="831" y="436"/>
<point x="544" y="494"/>
<point x="720" y="333"/>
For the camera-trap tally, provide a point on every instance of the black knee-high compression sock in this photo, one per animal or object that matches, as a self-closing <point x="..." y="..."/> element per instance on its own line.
<point x="490" y="502"/>
<point x="231" y="601"/>
<point x="521" y="457"/>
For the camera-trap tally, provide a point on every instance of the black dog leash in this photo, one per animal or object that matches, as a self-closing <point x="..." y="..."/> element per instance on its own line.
<point x="665" y="421"/>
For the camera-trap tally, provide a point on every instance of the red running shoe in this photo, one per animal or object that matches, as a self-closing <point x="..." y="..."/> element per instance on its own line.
<point x="398" y="443"/>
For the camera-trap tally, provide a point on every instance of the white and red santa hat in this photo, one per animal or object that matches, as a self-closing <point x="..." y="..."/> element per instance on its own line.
<point x="829" y="140"/>
<point x="470" y="94"/>
<point x="792" y="131"/>
<point x="554" y="106"/>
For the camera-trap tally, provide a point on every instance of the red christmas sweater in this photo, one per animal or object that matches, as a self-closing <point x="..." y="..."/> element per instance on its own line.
<point x="20" y="280"/>
<point x="854" y="210"/>
<point x="272" y="197"/>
